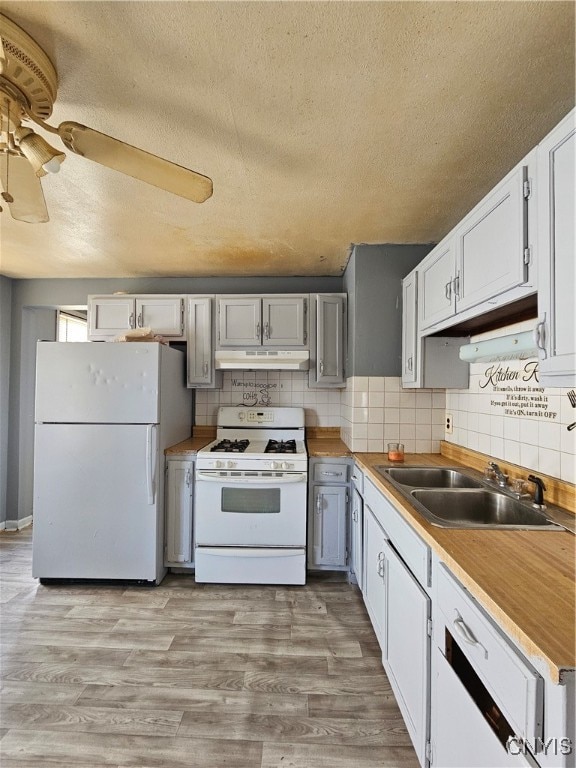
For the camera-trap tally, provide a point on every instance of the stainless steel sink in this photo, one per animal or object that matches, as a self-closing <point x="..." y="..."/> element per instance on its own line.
<point x="430" y="477"/>
<point x="477" y="508"/>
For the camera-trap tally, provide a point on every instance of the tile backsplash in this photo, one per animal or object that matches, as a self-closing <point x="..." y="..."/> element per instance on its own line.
<point x="268" y="388"/>
<point x="370" y="412"/>
<point x="507" y="414"/>
<point x="376" y="411"/>
<point x="504" y="413"/>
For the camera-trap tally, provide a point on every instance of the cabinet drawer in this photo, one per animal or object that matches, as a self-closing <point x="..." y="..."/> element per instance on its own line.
<point x="410" y="547"/>
<point x="325" y="472"/>
<point x="514" y="684"/>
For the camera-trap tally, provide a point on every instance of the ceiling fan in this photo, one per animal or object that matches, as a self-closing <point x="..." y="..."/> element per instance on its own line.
<point x="28" y="86"/>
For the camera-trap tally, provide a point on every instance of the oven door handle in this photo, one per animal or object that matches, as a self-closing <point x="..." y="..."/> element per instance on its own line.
<point x="205" y="477"/>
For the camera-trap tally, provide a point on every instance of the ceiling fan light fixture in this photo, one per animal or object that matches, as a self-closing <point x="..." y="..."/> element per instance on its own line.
<point x="41" y="155"/>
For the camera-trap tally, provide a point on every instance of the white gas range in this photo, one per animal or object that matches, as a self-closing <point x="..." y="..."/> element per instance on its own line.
<point x="251" y="490"/>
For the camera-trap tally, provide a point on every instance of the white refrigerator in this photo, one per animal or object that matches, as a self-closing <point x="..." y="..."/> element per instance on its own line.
<point x="105" y="412"/>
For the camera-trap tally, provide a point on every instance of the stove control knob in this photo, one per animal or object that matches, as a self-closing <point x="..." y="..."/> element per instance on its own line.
<point x="285" y="465"/>
<point x="218" y="464"/>
<point x="274" y="465"/>
<point x="230" y="464"/>
<point x="241" y="415"/>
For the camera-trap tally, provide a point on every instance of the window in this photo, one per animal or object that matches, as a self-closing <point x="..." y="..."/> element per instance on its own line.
<point x="71" y="327"/>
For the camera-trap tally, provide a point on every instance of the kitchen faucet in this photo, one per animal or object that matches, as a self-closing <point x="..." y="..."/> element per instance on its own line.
<point x="539" y="491"/>
<point x="501" y="478"/>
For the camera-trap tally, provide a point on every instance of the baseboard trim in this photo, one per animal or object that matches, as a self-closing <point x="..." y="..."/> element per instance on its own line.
<point x="17" y="525"/>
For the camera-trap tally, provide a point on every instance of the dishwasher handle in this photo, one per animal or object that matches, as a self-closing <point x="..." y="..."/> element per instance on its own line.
<point x="466" y="633"/>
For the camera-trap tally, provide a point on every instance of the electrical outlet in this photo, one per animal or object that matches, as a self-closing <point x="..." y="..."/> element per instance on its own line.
<point x="448" y="423"/>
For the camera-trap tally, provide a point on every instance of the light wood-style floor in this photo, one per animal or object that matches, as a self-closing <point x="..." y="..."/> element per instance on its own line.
<point x="185" y="675"/>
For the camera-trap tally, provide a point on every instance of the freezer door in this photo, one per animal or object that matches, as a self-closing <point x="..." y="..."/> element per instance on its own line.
<point x="97" y="502"/>
<point x="95" y="382"/>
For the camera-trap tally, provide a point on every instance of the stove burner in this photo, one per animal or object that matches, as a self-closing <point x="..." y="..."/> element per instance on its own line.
<point x="281" y="446"/>
<point x="231" y="446"/>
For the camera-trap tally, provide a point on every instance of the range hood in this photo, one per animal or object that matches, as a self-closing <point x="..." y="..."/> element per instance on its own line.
<point x="262" y="360"/>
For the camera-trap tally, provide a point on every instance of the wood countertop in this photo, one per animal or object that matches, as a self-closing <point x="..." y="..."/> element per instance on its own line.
<point x="327" y="447"/>
<point x="524" y="579"/>
<point x="190" y="446"/>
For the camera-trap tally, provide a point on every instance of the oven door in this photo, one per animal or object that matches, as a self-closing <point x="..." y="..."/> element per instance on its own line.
<point x="252" y="509"/>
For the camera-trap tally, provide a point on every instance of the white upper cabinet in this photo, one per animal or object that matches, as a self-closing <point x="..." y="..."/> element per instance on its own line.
<point x="200" y="357"/>
<point x="436" y="296"/>
<point x="409" y="328"/>
<point x="109" y="316"/>
<point x="556" y="255"/>
<point x="274" y="321"/>
<point x="284" y="321"/>
<point x="484" y="262"/>
<point x="490" y="243"/>
<point x="240" y="321"/>
<point x="327" y="342"/>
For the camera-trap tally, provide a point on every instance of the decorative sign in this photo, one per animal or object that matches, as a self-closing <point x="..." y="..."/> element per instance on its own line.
<point x="516" y="391"/>
<point x="256" y="392"/>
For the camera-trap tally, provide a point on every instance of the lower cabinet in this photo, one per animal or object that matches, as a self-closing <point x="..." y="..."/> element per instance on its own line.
<point x="407" y="652"/>
<point x="328" y="503"/>
<point x="178" y="534"/>
<point x="357" y="538"/>
<point x="397" y="600"/>
<point x="374" y="575"/>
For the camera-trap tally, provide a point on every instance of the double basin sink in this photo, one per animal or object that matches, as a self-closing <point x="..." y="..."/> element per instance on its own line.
<point x="451" y="498"/>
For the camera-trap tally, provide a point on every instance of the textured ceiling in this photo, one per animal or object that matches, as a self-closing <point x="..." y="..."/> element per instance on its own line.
<point x="321" y="125"/>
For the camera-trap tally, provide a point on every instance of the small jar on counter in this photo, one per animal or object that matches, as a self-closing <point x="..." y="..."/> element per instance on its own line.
<point x="395" y="452"/>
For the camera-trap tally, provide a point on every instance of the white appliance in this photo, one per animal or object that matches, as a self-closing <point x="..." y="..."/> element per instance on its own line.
<point x="250" y="521"/>
<point x="104" y="415"/>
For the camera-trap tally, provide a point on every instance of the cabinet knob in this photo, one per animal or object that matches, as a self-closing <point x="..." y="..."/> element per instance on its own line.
<point x="448" y="290"/>
<point x="258" y="330"/>
<point x="131" y="320"/>
<point x="140" y="320"/>
<point x="205" y="367"/>
<point x="321" y="367"/>
<point x="266" y="330"/>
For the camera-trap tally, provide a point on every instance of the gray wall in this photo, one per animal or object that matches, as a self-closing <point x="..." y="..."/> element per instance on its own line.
<point x="373" y="280"/>
<point x="24" y="319"/>
<point x="5" y="325"/>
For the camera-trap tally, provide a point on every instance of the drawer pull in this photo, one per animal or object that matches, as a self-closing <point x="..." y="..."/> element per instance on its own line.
<point x="466" y="633"/>
<point x="331" y="474"/>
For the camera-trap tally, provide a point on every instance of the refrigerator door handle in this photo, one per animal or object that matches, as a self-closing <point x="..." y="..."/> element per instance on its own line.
<point x="150" y="461"/>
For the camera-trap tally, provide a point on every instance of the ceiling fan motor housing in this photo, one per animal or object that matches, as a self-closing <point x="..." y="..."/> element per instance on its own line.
<point x="27" y="69"/>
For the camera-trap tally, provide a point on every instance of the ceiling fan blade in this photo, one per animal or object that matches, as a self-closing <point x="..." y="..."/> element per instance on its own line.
<point x="18" y="179"/>
<point x="135" y="162"/>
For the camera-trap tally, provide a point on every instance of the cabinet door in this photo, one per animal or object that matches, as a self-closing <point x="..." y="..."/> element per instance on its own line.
<point x="436" y="290"/>
<point x="329" y="340"/>
<point x="284" y="321"/>
<point x="239" y="322"/>
<point x="374" y="575"/>
<point x="110" y="315"/>
<point x="356" y="530"/>
<point x="200" y="359"/>
<point x="490" y="244"/>
<point x="164" y="316"/>
<point x="407" y="654"/>
<point x="329" y="525"/>
<point x="556" y="255"/>
<point x="409" y="328"/>
<point x="179" y="512"/>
